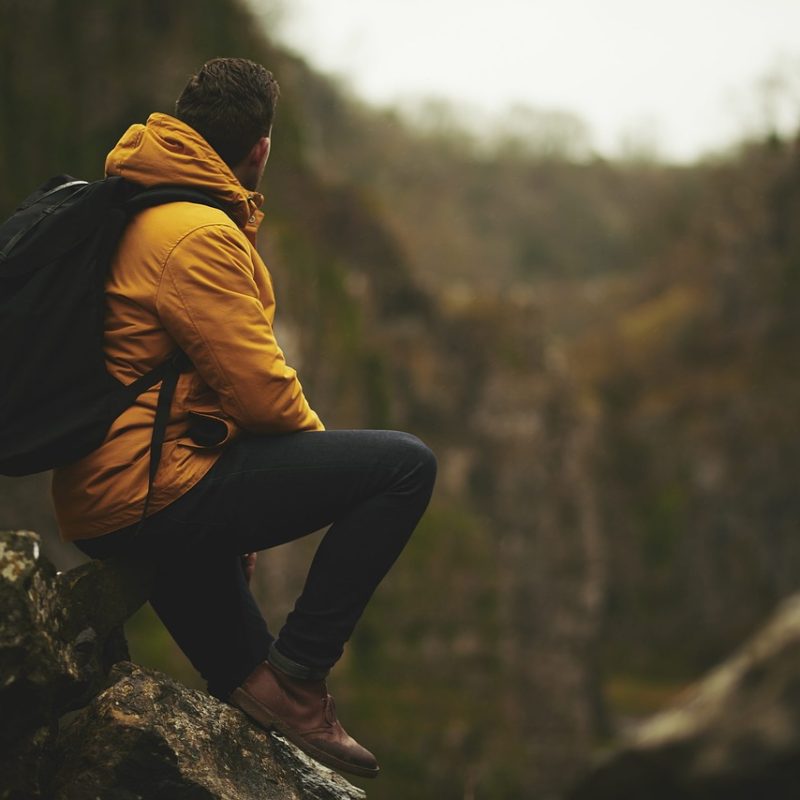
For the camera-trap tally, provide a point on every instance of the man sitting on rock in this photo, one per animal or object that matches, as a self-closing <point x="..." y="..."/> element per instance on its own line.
<point x="246" y="462"/>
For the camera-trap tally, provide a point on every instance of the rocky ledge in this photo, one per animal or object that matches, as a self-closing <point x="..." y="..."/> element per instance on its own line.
<point x="735" y="735"/>
<point x="78" y="720"/>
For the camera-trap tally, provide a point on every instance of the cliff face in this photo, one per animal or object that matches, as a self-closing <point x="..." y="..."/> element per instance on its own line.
<point x="524" y="453"/>
<point x="79" y="722"/>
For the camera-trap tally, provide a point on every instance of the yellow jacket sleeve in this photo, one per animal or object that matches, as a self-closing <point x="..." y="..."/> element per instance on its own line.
<point x="209" y="302"/>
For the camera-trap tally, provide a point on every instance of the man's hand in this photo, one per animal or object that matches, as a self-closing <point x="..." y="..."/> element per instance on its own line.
<point x="249" y="565"/>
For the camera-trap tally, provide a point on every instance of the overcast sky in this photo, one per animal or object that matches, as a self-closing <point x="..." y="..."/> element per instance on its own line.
<point x="682" y="72"/>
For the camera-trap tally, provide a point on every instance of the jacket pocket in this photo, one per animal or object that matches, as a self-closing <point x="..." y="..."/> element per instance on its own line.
<point x="208" y="430"/>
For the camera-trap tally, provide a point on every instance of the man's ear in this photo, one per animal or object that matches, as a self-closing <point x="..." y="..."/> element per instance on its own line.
<point x="251" y="168"/>
<point x="259" y="153"/>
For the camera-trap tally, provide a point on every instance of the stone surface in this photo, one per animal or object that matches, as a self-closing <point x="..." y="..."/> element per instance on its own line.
<point x="149" y="736"/>
<point x="130" y="733"/>
<point x="53" y="654"/>
<point x="38" y="672"/>
<point x="27" y="765"/>
<point x="734" y="735"/>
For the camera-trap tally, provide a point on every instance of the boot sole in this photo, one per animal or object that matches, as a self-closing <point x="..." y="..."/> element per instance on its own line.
<point x="267" y="719"/>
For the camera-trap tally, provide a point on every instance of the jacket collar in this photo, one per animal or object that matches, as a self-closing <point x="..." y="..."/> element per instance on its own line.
<point x="168" y="151"/>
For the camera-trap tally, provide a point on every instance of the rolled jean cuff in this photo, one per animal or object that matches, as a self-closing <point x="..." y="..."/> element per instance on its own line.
<point x="292" y="668"/>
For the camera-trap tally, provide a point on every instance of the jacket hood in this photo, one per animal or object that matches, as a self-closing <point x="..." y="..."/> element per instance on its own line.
<point x="168" y="151"/>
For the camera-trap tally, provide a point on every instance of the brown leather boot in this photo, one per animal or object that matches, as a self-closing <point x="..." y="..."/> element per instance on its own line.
<point x="305" y="714"/>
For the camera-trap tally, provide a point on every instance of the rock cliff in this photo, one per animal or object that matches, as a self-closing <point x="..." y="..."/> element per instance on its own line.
<point x="77" y="720"/>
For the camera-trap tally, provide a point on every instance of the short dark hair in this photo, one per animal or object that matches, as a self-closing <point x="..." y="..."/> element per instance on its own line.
<point x="230" y="102"/>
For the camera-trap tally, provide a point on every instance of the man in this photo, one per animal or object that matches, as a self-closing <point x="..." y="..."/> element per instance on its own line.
<point x="246" y="462"/>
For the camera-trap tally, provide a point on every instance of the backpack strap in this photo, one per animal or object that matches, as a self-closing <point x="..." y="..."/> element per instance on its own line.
<point x="173" y="369"/>
<point x="167" y="193"/>
<point x="168" y="373"/>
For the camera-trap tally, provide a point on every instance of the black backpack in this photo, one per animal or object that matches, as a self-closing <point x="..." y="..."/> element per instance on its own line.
<point x="57" y="400"/>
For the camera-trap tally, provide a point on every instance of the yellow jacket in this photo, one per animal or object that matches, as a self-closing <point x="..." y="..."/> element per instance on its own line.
<point x="185" y="276"/>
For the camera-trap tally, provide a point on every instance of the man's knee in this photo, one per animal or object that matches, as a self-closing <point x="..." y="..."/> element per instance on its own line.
<point x="419" y="458"/>
<point x="428" y="463"/>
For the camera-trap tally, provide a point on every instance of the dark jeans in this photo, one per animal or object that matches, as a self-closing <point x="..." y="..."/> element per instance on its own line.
<point x="371" y="487"/>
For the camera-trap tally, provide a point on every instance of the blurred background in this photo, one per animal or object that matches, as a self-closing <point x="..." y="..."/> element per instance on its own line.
<point x="559" y="242"/>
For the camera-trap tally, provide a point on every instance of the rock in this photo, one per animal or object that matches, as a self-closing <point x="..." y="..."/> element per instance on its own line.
<point x="53" y="653"/>
<point x="39" y="673"/>
<point x="42" y="670"/>
<point x="133" y="733"/>
<point x="147" y="736"/>
<point x="27" y="765"/>
<point x="734" y="735"/>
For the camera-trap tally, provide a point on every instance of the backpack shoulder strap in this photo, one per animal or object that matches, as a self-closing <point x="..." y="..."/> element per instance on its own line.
<point x="168" y="373"/>
<point x="167" y="193"/>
